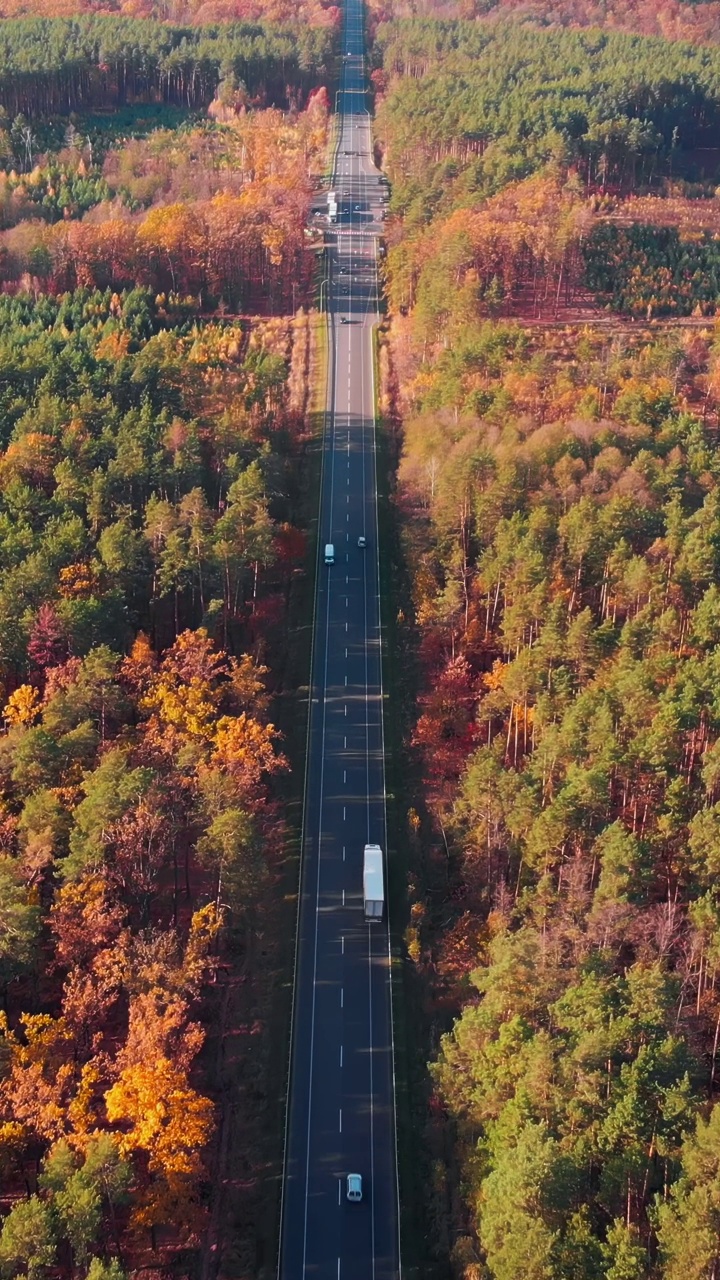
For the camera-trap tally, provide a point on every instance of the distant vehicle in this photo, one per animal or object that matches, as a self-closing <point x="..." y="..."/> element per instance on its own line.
<point x="373" y="883"/>
<point x="344" y="320"/>
<point x="329" y="553"/>
<point x="361" y="541"/>
<point x="354" y="1188"/>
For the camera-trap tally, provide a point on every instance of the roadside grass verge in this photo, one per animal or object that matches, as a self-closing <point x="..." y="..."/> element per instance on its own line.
<point x="292" y="711"/>
<point x="412" y="1029"/>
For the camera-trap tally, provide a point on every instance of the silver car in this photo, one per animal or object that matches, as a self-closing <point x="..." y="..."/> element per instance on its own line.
<point x="354" y="1187"/>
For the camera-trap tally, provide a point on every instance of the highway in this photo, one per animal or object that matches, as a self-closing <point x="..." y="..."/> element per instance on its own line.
<point x="341" y="1112"/>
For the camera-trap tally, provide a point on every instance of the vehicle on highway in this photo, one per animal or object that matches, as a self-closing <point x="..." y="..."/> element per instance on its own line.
<point x="373" y="883"/>
<point x="361" y="541"/>
<point x="329" y="553"/>
<point x="354" y="1187"/>
<point x="344" y="320"/>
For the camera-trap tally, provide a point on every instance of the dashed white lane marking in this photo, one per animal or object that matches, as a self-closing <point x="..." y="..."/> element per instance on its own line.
<point x="342" y="997"/>
<point x="341" y="1055"/>
<point x="341" y="1119"/>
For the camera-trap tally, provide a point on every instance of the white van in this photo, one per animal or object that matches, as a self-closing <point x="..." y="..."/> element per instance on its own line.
<point x="329" y="553"/>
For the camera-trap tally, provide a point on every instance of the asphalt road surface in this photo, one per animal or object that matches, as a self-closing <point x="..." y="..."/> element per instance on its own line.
<point x="341" y="1116"/>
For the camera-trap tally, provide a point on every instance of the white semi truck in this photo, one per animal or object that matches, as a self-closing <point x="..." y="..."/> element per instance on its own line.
<point x="373" y="882"/>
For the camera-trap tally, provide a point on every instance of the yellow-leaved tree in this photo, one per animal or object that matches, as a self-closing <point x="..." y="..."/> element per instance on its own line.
<point x="23" y="706"/>
<point x="166" y="1124"/>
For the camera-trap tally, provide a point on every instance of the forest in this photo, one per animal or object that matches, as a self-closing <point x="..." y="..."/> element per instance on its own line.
<point x="561" y="540"/>
<point x="156" y="353"/>
<point x="541" y="248"/>
<point x="466" y="108"/>
<point x="553" y="215"/>
<point x="149" y="480"/>
<point x="697" y="21"/>
<point x="536" y="171"/>
<point x="198" y="13"/>
<point x="217" y="212"/>
<point x="56" y="66"/>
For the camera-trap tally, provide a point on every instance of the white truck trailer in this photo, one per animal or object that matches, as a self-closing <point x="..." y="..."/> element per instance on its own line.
<point x="373" y="882"/>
